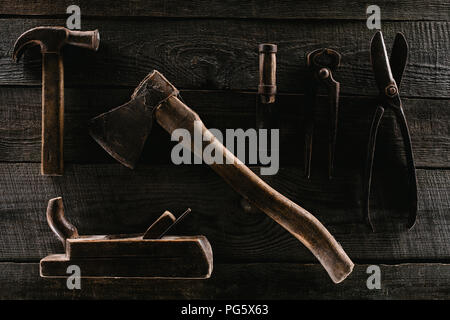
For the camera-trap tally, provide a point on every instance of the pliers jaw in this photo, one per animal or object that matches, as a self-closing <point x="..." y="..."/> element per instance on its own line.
<point x="321" y="64"/>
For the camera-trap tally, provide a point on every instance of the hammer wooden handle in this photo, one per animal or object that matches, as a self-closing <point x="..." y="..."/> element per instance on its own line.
<point x="173" y="114"/>
<point x="52" y="114"/>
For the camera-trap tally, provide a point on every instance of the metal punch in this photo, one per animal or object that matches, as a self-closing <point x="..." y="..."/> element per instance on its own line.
<point x="388" y="75"/>
<point x="321" y="64"/>
<point x="267" y="88"/>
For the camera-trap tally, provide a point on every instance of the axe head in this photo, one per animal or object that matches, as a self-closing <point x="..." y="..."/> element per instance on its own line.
<point x="122" y="132"/>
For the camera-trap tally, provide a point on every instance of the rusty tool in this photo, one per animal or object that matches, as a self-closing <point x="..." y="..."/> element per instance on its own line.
<point x="267" y="88"/>
<point x="145" y="255"/>
<point x="123" y="131"/>
<point x="321" y="64"/>
<point x="388" y="76"/>
<point x="51" y="40"/>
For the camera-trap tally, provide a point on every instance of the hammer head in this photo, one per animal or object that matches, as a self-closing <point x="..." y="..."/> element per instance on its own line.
<point x="51" y="39"/>
<point x="122" y="132"/>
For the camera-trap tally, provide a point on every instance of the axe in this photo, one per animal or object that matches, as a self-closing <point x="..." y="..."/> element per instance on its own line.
<point x="123" y="131"/>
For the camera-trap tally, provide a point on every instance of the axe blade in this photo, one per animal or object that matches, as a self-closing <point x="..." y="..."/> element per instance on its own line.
<point x="122" y="132"/>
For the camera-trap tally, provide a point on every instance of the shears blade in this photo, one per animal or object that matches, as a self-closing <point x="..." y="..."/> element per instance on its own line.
<point x="380" y="63"/>
<point x="399" y="55"/>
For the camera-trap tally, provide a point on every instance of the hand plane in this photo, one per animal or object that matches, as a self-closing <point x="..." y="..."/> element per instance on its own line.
<point x="148" y="255"/>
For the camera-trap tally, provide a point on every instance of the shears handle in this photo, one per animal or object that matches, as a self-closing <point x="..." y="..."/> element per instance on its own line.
<point x="401" y="120"/>
<point x="367" y="178"/>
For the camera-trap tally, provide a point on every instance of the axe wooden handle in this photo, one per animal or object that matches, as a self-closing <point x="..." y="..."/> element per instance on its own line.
<point x="173" y="114"/>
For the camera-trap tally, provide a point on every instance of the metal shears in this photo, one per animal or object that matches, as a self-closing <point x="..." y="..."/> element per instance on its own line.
<point x="388" y="75"/>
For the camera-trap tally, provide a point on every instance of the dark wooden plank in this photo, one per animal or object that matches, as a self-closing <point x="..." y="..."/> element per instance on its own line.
<point x="284" y="9"/>
<point x="111" y="199"/>
<point x="238" y="281"/>
<point x="222" y="54"/>
<point x="20" y="129"/>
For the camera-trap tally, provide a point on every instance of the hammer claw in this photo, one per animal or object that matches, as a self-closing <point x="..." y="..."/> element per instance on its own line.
<point x="19" y="48"/>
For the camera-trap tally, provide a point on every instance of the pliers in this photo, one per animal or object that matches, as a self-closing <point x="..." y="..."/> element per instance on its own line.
<point x="320" y="64"/>
<point x="388" y="75"/>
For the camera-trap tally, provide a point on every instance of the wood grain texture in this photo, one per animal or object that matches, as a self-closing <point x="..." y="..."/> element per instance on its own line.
<point x="212" y="45"/>
<point x="284" y="9"/>
<point x="223" y="54"/>
<point x="428" y="120"/>
<point x="112" y="199"/>
<point x="273" y="281"/>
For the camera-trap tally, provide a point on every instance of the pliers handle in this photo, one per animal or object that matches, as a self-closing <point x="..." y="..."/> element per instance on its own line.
<point x="322" y="63"/>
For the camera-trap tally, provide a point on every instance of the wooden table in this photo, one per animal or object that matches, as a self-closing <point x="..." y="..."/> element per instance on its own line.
<point x="208" y="49"/>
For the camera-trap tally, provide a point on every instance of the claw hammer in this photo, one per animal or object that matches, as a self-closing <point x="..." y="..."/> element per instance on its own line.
<point x="51" y="40"/>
